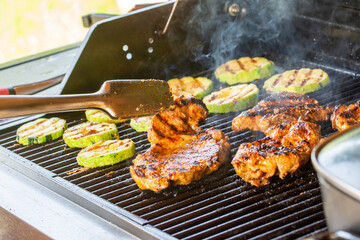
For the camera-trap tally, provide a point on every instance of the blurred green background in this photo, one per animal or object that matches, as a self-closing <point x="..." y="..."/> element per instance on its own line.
<point x="32" y="26"/>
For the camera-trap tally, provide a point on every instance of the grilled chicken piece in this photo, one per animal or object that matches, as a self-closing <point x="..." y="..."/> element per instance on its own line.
<point x="345" y="116"/>
<point x="286" y="148"/>
<point x="197" y="156"/>
<point x="279" y="108"/>
<point x="170" y="128"/>
<point x="180" y="152"/>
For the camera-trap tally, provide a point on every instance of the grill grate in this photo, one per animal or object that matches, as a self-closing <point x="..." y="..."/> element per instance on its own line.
<point x="220" y="205"/>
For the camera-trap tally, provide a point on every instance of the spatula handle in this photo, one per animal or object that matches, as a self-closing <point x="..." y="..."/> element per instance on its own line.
<point x="21" y="105"/>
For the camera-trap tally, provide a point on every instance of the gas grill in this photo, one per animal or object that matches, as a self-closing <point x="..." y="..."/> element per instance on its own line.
<point x="314" y="34"/>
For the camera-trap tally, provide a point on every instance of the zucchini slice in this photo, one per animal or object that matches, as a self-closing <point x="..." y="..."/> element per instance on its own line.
<point x="40" y="131"/>
<point x="141" y="124"/>
<point x="105" y="153"/>
<point x="304" y="80"/>
<point x="244" y="70"/>
<point x="100" y="116"/>
<point x="198" y="87"/>
<point x="86" y="134"/>
<point x="232" y="99"/>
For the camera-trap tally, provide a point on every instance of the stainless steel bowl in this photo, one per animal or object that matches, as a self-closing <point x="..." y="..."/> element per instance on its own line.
<point x="337" y="162"/>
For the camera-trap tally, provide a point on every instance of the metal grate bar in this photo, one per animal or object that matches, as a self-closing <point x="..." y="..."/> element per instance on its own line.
<point x="273" y="228"/>
<point x="250" y="204"/>
<point x="153" y="205"/>
<point x="298" y="232"/>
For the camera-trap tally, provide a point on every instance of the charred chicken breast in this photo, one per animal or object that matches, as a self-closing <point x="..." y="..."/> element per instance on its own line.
<point x="170" y="128"/>
<point x="285" y="148"/>
<point x="345" y="116"/>
<point x="181" y="152"/>
<point x="198" y="155"/>
<point x="278" y="108"/>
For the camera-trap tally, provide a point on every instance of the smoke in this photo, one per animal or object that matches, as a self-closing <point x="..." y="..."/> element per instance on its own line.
<point x="213" y="36"/>
<point x="259" y="23"/>
<point x="205" y="35"/>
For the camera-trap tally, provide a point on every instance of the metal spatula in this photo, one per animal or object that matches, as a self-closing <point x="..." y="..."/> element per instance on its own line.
<point x="118" y="98"/>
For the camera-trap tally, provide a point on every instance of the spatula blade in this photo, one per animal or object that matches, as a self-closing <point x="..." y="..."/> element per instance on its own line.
<point x="135" y="97"/>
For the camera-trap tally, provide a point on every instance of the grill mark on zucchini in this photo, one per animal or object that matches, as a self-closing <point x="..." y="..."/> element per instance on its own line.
<point x="232" y="96"/>
<point x="277" y="80"/>
<point x="181" y="82"/>
<point x="228" y="69"/>
<point x="319" y="79"/>
<point x="232" y="99"/>
<point x="103" y="145"/>
<point x="304" y="80"/>
<point x="248" y="90"/>
<point x="199" y="87"/>
<point x="33" y="131"/>
<point x="86" y="134"/>
<point x="99" y="128"/>
<point x="236" y="96"/>
<point x="307" y="78"/>
<point x="244" y="70"/>
<point x="41" y="130"/>
<point x="255" y="62"/>
<point x="292" y="78"/>
<point x="108" y="152"/>
<point x="240" y="64"/>
<point x="199" y="84"/>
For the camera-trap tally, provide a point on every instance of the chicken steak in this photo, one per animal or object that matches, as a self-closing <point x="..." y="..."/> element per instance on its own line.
<point x="278" y="108"/>
<point x="181" y="152"/>
<point x="345" y="116"/>
<point x="285" y="148"/>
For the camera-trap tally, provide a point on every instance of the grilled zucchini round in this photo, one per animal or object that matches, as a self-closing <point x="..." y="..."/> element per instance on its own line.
<point x="198" y="87"/>
<point x="100" y="116"/>
<point x="232" y="99"/>
<point x="86" y="134"/>
<point x="105" y="153"/>
<point x="304" y="80"/>
<point x="140" y="124"/>
<point x="244" y="70"/>
<point x="40" y="131"/>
